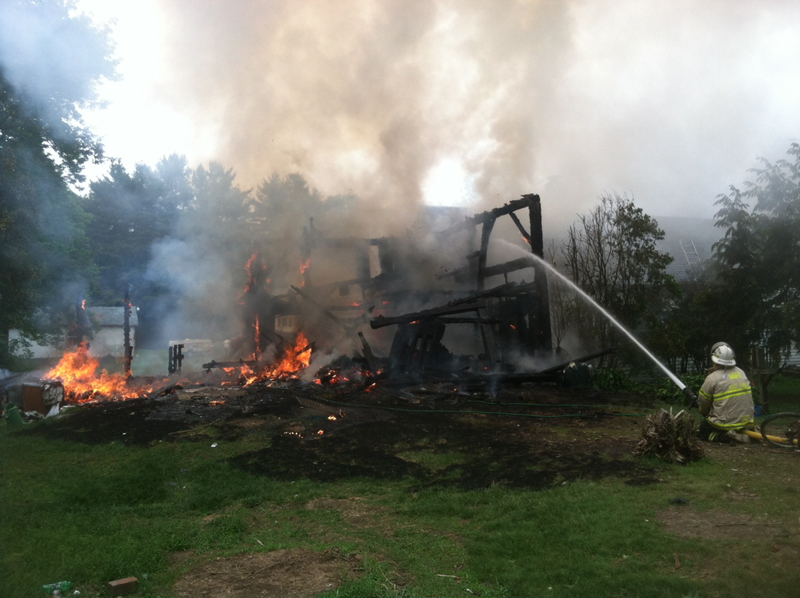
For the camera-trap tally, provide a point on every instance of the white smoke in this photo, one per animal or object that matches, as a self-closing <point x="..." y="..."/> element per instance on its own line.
<point x="670" y="102"/>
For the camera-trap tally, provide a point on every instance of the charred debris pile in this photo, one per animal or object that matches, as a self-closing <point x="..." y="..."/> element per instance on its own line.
<point x="385" y="315"/>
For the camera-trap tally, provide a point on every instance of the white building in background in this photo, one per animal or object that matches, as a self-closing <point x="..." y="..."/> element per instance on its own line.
<point x="107" y="336"/>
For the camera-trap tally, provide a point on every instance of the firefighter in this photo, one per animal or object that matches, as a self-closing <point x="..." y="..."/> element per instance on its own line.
<point x="726" y="399"/>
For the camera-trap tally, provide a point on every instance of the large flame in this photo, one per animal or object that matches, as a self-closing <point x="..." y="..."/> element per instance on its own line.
<point x="295" y="359"/>
<point x="78" y="371"/>
<point x="255" y="268"/>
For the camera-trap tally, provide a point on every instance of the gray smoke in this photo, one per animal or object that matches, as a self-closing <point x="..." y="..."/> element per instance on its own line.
<point x="670" y="102"/>
<point x="53" y="61"/>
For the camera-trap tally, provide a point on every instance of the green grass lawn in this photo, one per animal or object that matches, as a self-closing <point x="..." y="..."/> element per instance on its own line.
<point x="724" y="526"/>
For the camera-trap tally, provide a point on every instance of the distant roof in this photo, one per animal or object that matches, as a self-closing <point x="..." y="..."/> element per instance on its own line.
<point x="688" y="240"/>
<point x="111" y="316"/>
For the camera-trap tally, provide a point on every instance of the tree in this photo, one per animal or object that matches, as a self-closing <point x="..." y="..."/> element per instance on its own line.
<point x="611" y="254"/>
<point x="131" y="211"/>
<point x="758" y="287"/>
<point x="217" y="198"/>
<point x="160" y="229"/>
<point x="283" y="205"/>
<point x="44" y="254"/>
<point x="688" y="323"/>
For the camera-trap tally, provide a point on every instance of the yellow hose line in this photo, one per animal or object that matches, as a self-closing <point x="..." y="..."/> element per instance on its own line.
<point x="757" y="436"/>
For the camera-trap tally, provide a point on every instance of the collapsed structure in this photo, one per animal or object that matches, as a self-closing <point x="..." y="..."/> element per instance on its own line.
<point x="462" y="304"/>
<point x="376" y="311"/>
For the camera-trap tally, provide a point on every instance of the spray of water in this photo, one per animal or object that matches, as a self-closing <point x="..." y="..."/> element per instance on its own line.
<point x="611" y="319"/>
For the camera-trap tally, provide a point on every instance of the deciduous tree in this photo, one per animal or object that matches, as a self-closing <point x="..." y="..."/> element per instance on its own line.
<point x="758" y="291"/>
<point x="49" y="61"/>
<point x="611" y="254"/>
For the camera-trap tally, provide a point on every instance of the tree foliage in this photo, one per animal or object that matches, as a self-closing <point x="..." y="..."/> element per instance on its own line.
<point x="151" y="221"/>
<point x="759" y="257"/>
<point x="611" y="254"/>
<point x="688" y="323"/>
<point x="131" y="211"/>
<point x="49" y="61"/>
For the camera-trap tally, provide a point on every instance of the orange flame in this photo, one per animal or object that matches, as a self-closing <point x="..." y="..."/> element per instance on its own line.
<point x="257" y="327"/>
<point x="78" y="372"/>
<point x="294" y="360"/>
<point x="252" y="274"/>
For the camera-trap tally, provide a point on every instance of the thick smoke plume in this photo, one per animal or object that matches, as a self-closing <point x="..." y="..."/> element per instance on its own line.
<point x="566" y="99"/>
<point x="670" y="102"/>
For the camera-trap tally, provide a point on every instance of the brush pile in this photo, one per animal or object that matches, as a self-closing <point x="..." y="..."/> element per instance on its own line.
<point x="671" y="438"/>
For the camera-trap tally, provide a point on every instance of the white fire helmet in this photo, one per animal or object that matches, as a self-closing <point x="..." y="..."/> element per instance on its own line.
<point x="722" y="354"/>
<point x="719" y="344"/>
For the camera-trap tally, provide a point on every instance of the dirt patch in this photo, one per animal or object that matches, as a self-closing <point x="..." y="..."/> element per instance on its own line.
<point x="354" y="510"/>
<point x="687" y="522"/>
<point x="277" y="574"/>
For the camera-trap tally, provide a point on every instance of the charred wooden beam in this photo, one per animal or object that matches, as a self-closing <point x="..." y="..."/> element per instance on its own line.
<point x="510" y="289"/>
<point x="428" y="314"/>
<point x="512" y="206"/>
<point x="550" y="374"/>
<point x="582" y="359"/>
<point x="228" y="364"/>
<point x="522" y="230"/>
<point x="542" y="336"/>
<point x="486" y="232"/>
<point x="497" y="269"/>
<point x="368" y="354"/>
<point x="446" y="320"/>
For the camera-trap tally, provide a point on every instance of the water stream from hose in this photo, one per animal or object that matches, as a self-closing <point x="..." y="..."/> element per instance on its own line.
<point x="611" y="319"/>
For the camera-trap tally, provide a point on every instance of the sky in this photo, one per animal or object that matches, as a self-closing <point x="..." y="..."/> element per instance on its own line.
<point x="460" y="102"/>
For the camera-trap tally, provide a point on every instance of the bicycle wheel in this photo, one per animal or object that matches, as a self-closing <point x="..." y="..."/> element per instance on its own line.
<point x="782" y="429"/>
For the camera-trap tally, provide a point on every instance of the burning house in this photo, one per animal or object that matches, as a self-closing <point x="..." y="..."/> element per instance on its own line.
<point x="346" y="284"/>
<point x="388" y="310"/>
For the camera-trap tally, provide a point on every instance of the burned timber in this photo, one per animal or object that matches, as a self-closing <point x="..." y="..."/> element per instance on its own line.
<point x="393" y="326"/>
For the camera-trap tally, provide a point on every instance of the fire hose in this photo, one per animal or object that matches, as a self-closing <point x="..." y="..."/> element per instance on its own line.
<point x="693" y="402"/>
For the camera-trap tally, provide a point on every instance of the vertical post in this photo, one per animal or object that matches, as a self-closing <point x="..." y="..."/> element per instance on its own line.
<point x="486" y="231"/>
<point x="487" y="335"/>
<point x="542" y="340"/>
<point x="127" y="331"/>
<point x="764" y="377"/>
